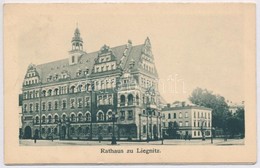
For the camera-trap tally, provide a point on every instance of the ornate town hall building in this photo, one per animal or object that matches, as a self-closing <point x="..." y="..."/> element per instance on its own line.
<point x="93" y="95"/>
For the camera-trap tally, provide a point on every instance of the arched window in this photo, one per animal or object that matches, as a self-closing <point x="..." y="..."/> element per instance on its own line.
<point x="88" y="116"/>
<point x="130" y="99"/>
<point x="109" y="115"/>
<point x="56" y="118"/>
<point x="100" y="116"/>
<point x="174" y="115"/>
<point x="44" y="93"/>
<point x="80" y="119"/>
<point x="43" y="119"/>
<point x="49" y="119"/>
<point x="64" y="117"/>
<point x="37" y="120"/>
<point x="72" y="117"/>
<point x="72" y="89"/>
<point x="79" y="88"/>
<point x="169" y="115"/>
<point x="49" y="92"/>
<point x="56" y="91"/>
<point x="122" y="100"/>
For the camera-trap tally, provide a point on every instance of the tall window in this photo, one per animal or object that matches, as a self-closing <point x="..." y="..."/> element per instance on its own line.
<point x="186" y="114"/>
<point x="37" y="120"/>
<point x="194" y="114"/>
<point x="130" y="99"/>
<point x="49" y="92"/>
<point x="79" y="88"/>
<point x="72" y="117"/>
<point x="130" y="114"/>
<point x="169" y="115"/>
<point x="174" y="115"/>
<point x="49" y="119"/>
<point x="31" y="107"/>
<point x="44" y="93"/>
<point x="109" y="99"/>
<point x="73" y="59"/>
<point x="180" y="115"/>
<point x="180" y="123"/>
<point x="49" y="106"/>
<point x="43" y="119"/>
<point x="122" y="100"/>
<point x="37" y="107"/>
<point x="87" y="101"/>
<point x="63" y="117"/>
<point x="80" y="102"/>
<point x="80" y="119"/>
<point x="122" y="115"/>
<point x="72" y="103"/>
<point x="64" y="104"/>
<point x="144" y="129"/>
<point x="88" y="117"/>
<point x="56" y="91"/>
<point x="56" y="105"/>
<point x="100" y="116"/>
<point x="56" y="119"/>
<point x="43" y="106"/>
<point x="186" y="123"/>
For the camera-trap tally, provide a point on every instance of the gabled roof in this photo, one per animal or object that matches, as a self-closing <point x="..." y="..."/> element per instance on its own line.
<point x="87" y="61"/>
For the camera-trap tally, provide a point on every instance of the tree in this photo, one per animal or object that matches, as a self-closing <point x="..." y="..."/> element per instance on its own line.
<point x="217" y="103"/>
<point x="236" y="123"/>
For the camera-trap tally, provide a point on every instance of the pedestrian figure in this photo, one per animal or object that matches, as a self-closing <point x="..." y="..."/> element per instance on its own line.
<point x="52" y="138"/>
<point x="35" y="138"/>
<point x="189" y="137"/>
<point x="99" y="138"/>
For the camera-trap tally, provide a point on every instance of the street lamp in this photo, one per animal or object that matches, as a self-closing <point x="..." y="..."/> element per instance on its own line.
<point x="212" y="129"/>
<point x="114" y="118"/>
<point x="59" y="128"/>
<point x="202" y="129"/>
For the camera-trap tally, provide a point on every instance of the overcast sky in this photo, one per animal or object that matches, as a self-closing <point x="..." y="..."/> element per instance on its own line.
<point x="193" y="46"/>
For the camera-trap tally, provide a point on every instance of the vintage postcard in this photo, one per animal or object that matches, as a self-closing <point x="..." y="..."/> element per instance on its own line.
<point x="122" y="83"/>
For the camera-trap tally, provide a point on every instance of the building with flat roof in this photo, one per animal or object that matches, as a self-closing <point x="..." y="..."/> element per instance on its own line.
<point x="186" y="121"/>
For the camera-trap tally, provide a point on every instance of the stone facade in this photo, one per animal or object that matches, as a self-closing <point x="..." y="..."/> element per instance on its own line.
<point x="92" y="95"/>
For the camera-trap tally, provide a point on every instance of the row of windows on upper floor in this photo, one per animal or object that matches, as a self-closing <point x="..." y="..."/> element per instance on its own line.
<point x="187" y="124"/>
<point x="106" y="99"/>
<point x="104" y="84"/>
<point x="31" y="81"/>
<point x="30" y="74"/>
<point x="195" y="115"/>
<point x="147" y="83"/>
<point x="80" y="117"/>
<point x="148" y="68"/>
<point x="103" y="68"/>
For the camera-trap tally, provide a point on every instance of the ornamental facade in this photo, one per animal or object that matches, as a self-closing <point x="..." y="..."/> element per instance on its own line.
<point x="93" y="95"/>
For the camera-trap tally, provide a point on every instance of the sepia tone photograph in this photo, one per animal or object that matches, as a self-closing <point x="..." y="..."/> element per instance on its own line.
<point x="135" y="80"/>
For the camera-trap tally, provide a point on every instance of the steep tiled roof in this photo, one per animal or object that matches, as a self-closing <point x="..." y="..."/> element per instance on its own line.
<point x="87" y="61"/>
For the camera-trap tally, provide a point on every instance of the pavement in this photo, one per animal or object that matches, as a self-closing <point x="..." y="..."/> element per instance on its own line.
<point x="127" y="143"/>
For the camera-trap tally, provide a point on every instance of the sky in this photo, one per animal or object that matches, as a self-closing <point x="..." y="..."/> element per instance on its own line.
<point x="193" y="46"/>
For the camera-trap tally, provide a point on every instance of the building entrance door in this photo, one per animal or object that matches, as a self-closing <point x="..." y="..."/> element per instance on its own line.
<point x="63" y="132"/>
<point x="27" y="132"/>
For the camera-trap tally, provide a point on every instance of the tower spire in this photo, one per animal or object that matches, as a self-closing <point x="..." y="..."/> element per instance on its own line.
<point x="77" y="42"/>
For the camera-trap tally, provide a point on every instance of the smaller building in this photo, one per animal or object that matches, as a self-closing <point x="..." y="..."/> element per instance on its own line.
<point x="186" y="121"/>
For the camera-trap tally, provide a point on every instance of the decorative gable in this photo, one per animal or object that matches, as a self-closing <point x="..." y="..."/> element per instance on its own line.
<point x="32" y="76"/>
<point x="105" y="61"/>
